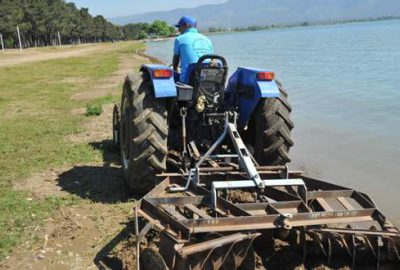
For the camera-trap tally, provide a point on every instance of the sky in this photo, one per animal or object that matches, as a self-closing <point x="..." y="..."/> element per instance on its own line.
<point x="117" y="8"/>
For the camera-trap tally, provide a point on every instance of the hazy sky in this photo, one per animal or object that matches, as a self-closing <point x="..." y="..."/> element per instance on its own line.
<point x="116" y="8"/>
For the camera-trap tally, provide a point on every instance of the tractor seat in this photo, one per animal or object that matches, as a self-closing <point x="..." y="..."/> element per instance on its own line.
<point x="208" y="78"/>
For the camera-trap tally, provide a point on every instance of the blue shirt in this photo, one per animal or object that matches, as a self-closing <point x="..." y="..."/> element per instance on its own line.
<point x="190" y="46"/>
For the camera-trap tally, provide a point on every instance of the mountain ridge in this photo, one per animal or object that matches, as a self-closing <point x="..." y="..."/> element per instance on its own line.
<point x="239" y="13"/>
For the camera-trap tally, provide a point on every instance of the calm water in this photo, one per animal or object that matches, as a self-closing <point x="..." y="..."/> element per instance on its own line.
<point x="344" y="85"/>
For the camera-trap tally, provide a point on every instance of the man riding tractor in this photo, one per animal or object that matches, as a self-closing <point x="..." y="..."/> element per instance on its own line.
<point x="164" y="125"/>
<point x="189" y="47"/>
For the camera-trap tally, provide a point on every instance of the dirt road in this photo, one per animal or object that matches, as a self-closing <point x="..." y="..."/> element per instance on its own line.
<point x="14" y="57"/>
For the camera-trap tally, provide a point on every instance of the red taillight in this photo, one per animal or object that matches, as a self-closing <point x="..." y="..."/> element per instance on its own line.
<point x="266" y="76"/>
<point x="162" y="73"/>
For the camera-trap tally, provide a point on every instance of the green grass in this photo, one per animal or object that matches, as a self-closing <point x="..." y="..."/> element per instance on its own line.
<point x="109" y="98"/>
<point x="35" y="122"/>
<point x="93" y="110"/>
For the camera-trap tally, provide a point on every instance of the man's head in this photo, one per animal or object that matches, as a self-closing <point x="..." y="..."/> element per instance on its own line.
<point x="185" y="23"/>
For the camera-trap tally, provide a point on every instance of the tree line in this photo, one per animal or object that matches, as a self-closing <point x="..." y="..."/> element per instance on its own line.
<point x="40" y="21"/>
<point x="158" y="28"/>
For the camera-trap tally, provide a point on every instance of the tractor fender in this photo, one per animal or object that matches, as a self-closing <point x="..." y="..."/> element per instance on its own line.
<point x="163" y="87"/>
<point x="245" y="91"/>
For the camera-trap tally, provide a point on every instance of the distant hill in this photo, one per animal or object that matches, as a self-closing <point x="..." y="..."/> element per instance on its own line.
<point x="239" y="13"/>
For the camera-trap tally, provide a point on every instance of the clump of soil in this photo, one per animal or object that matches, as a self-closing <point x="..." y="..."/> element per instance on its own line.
<point x="123" y="256"/>
<point x="238" y="196"/>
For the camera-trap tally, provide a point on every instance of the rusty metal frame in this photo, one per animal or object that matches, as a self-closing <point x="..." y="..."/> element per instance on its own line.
<point x="183" y="215"/>
<point x="240" y="217"/>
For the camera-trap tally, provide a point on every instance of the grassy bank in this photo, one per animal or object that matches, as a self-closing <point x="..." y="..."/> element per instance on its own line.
<point x="35" y="122"/>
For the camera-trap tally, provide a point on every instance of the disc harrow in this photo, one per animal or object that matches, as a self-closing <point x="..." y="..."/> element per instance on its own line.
<point x="204" y="232"/>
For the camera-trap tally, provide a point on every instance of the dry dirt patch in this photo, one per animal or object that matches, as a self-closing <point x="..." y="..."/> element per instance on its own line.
<point x="74" y="238"/>
<point x="14" y="57"/>
<point x="96" y="130"/>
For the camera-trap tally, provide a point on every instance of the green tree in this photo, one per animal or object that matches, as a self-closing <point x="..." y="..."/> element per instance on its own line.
<point x="135" y="31"/>
<point x="35" y="12"/>
<point x="161" y="28"/>
<point x="99" y="24"/>
<point x="11" y="16"/>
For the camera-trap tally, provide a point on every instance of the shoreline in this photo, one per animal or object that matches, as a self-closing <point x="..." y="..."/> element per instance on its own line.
<point x="153" y="59"/>
<point x="272" y="27"/>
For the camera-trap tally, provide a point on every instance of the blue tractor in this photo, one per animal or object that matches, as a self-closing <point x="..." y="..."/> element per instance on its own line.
<point x="212" y="157"/>
<point x="163" y="125"/>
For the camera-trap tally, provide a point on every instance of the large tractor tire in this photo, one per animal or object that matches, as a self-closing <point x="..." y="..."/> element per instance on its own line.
<point x="270" y="129"/>
<point x="143" y="135"/>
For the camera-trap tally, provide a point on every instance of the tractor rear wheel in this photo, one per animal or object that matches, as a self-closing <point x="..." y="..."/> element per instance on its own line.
<point x="143" y="136"/>
<point x="270" y="129"/>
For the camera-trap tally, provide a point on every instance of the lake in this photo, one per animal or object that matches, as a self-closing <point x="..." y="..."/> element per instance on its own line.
<point x="344" y="85"/>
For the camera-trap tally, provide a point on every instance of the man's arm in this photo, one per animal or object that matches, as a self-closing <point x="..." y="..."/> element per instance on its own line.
<point x="176" y="58"/>
<point x="175" y="62"/>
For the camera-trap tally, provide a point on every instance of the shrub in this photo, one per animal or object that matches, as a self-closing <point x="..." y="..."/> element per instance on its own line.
<point x="93" y="110"/>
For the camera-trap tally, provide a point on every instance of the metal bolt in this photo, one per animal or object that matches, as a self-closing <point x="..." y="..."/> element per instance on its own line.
<point x="255" y="195"/>
<point x="286" y="224"/>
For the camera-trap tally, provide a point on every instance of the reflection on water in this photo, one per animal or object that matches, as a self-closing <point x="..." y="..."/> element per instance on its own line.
<point x="344" y="85"/>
